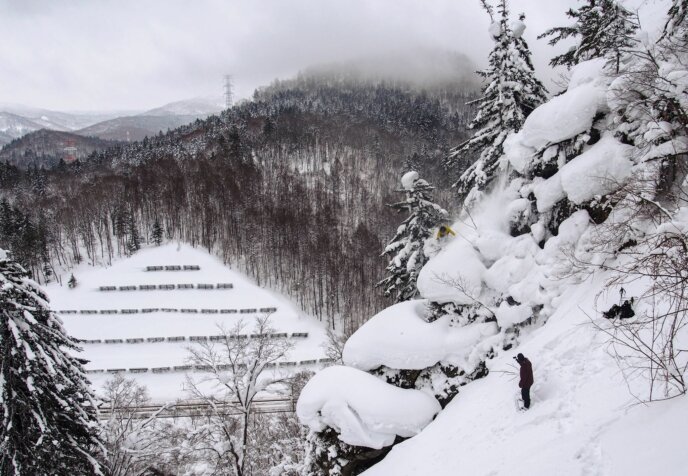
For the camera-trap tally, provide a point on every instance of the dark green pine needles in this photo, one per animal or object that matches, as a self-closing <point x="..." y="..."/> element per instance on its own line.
<point x="49" y="424"/>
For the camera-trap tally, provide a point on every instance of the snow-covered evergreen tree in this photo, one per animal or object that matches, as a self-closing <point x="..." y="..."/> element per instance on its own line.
<point x="603" y="28"/>
<point x="134" y="242"/>
<point x="511" y="92"/>
<point x="406" y="249"/>
<point x="48" y="419"/>
<point x="156" y="234"/>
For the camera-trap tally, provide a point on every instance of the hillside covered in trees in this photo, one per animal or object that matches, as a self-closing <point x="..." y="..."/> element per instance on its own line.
<point x="289" y="187"/>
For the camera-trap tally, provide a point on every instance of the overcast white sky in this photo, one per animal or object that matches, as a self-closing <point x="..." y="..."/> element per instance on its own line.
<point x="138" y="54"/>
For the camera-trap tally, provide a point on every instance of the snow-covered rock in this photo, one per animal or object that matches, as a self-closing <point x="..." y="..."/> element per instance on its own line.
<point x="455" y="274"/>
<point x="490" y="243"/>
<point x="597" y="171"/>
<point x="507" y="271"/>
<point x="519" y="156"/>
<point x="569" y="231"/>
<point x="563" y="117"/>
<point x="399" y="338"/>
<point x="363" y="409"/>
<point x="549" y="192"/>
<point x="508" y="315"/>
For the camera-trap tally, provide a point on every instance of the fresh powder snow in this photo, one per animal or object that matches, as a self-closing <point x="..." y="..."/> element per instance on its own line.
<point x="399" y="337"/>
<point x="363" y="409"/>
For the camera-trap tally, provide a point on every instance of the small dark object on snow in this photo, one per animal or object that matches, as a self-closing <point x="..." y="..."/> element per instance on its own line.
<point x="512" y="302"/>
<point x="526" y="380"/>
<point x="624" y="311"/>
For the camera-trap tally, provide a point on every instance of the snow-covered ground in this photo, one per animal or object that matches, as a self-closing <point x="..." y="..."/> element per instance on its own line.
<point x="583" y="420"/>
<point x="244" y="295"/>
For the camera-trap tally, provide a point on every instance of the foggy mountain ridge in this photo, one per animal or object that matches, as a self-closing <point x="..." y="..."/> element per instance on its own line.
<point x="320" y="89"/>
<point x="199" y="106"/>
<point x="416" y="68"/>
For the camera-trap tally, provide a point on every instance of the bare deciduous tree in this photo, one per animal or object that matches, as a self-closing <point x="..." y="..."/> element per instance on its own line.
<point x="132" y="443"/>
<point x="235" y="370"/>
<point x="641" y="246"/>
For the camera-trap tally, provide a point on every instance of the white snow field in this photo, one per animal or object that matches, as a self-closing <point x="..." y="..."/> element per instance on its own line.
<point x="155" y="338"/>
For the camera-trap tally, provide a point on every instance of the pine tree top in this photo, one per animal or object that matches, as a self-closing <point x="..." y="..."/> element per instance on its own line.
<point x="510" y="94"/>
<point x="601" y="28"/>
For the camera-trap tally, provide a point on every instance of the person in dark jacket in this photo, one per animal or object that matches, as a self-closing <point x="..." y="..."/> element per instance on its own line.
<point x="526" y="380"/>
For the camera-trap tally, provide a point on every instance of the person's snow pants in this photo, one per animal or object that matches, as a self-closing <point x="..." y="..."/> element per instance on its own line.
<point x="525" y="394"/>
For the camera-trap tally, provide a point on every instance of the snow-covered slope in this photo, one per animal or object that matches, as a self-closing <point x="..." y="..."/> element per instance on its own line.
<point x="173" y="315"/>
<point x="583" y="420"/>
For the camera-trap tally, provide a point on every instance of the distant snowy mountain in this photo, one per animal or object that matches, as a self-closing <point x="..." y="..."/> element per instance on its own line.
<point x="60" y="120"/>
<point x="200" y="107"/>
<point x="135" y="128"/>
<point x="13" y="126"/>
<point x="17" y="120"/>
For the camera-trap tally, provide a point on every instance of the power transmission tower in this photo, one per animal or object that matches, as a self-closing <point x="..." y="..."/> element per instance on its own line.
<point x="229" y="93"/>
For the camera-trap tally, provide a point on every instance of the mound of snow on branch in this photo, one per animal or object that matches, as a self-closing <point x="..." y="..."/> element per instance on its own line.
<point x="409" y="179"/>
<point x="597" y="171"/>
<point x="563" y="116"/>
<point x="400" y="338"/>
<point x="363" y="409"/>
<point x="495" y="30"/>
<point x="517" y="28"/>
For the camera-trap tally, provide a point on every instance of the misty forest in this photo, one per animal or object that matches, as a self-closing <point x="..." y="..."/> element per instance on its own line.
<point x="433" y="262"/>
